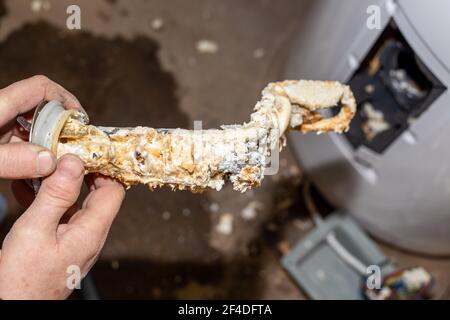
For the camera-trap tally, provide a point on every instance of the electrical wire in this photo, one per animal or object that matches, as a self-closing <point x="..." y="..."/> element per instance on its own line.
<point x="310" y="205"/>
<point x="331" y="239"/>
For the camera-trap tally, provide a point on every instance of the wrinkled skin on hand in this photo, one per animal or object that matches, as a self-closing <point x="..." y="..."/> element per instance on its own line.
<point x="53" y="234"/>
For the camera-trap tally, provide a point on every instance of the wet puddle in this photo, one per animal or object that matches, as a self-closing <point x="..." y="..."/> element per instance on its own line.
<point x="119" y="82"/>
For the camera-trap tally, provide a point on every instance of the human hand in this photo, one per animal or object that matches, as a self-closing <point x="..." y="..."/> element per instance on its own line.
<point x="52" y="235"/>
<point x="20" y="159"/>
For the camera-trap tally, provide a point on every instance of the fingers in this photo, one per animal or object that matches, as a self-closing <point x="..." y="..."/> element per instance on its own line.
<point x="86" y="232"/>
<point x="57" y="194"/>
<point x="25" y="160"/>
<point x="24" y="95"/>
<point x="101" y="205"/>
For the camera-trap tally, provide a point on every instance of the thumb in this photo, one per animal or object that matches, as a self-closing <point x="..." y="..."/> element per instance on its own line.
<point x="23" y="160"/>
<point x="57" y="194"/>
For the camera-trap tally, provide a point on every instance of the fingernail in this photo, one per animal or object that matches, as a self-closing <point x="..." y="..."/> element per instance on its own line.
<point x="45" y="163"/>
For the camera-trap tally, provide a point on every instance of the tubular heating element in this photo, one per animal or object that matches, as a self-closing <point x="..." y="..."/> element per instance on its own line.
<point x="204" y="159"/>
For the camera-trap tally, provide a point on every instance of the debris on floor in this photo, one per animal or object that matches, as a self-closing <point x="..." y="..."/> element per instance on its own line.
<point x="225" y="225"/>
<point x="214" y="207"/>
<point x="283" y="247"/>
<point x="40" y="5"/>
<point x="166" y="215"/>
<point x="186" y="212"/>
<point x="407" y="284"/>
<point x="115" y="264"/>
<point x="251" y="210"/>
<point x="207" y="46"/>
<point x="259" y="53"/>
<point x="157" y="24"/>
<point x="302" y="224"/>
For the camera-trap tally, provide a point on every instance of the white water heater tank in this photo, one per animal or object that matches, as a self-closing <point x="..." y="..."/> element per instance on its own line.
<point x="391" y="171"/>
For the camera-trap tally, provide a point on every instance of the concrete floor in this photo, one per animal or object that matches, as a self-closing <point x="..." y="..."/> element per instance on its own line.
<point x="166" y="244"/>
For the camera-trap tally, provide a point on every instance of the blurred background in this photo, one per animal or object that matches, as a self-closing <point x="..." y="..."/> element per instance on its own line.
<point x="165" y="64"/>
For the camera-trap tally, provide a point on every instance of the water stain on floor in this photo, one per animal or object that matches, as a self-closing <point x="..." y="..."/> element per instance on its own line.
<point x="117" y="81"/>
